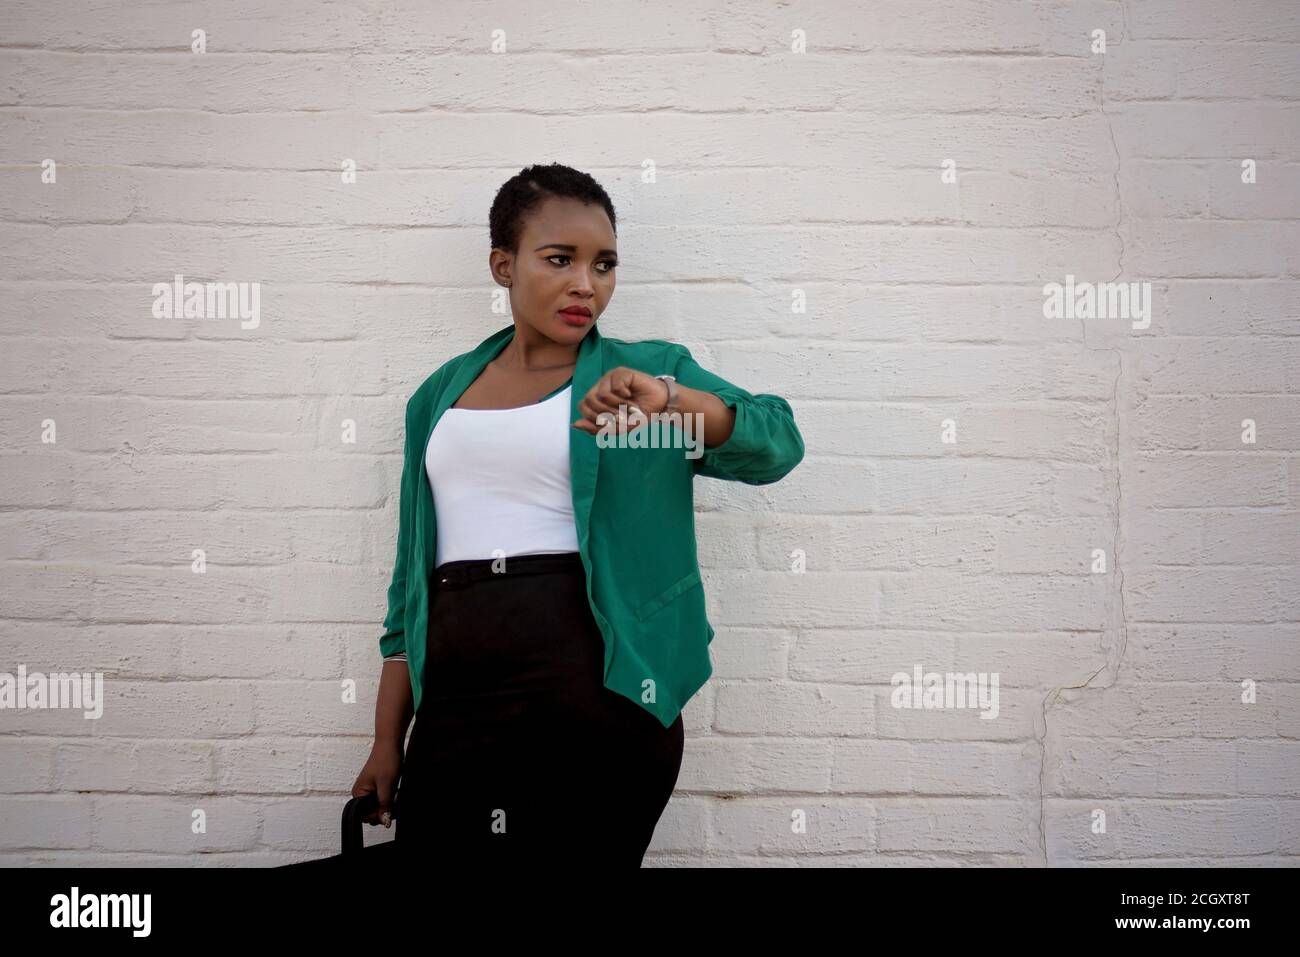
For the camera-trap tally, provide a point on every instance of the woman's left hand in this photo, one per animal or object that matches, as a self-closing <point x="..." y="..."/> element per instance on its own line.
<point x="640" y="394"/>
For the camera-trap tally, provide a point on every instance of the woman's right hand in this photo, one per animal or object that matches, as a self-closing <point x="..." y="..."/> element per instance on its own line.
<point x="379" y="776"/>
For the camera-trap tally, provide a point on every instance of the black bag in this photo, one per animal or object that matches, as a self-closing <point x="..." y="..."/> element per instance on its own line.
<point x="355" y="852"/>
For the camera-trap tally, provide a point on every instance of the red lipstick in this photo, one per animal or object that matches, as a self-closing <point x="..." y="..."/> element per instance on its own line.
<point x="576" y="315"/>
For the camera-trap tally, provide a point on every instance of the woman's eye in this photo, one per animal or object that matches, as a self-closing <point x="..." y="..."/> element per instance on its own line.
<point x="609" y="263"/>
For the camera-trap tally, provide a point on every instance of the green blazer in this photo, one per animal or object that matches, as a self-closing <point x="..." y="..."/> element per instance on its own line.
<point x="634" y="512"/>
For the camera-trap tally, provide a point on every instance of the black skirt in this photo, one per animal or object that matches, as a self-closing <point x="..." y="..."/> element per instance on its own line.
<point x="519" y="753"/>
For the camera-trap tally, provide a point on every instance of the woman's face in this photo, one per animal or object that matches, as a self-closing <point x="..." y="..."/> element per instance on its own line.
<point x="566" y="259"/>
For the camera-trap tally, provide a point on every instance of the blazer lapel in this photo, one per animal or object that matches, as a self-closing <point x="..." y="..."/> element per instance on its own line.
<point x="584" y="458"/>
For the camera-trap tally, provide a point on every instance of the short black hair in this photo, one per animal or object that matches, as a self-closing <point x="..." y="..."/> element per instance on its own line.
<point x="530" y="186"/>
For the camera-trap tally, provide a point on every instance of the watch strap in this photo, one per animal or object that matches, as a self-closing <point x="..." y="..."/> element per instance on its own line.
<point x="673" y="395"/>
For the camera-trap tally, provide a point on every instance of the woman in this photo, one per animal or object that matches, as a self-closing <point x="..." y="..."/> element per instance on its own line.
<point x="546" y="619"/>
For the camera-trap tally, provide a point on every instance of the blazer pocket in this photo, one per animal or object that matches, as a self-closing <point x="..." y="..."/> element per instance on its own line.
<point x="669" y="594"/>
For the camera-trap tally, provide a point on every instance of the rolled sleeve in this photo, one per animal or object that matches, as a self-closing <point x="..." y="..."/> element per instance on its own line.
<point x="765" y="443"/>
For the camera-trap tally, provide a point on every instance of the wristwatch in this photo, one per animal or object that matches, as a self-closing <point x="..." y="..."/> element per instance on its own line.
<point x="671" y="382"/>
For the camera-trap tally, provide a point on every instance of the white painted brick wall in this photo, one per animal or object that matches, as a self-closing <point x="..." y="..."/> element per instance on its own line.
<point x="818" y="171"/>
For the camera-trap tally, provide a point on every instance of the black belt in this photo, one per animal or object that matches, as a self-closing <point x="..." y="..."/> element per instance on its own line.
<point x="460" y="573"/>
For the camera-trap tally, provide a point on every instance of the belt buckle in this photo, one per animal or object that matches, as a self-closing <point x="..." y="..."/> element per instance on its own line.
<point x="453" y="577"/>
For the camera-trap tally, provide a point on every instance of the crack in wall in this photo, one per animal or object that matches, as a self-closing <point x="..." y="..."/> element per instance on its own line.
<point x="1116" y="613"/>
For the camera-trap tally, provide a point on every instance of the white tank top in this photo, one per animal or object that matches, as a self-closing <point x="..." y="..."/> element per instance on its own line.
<point x="500" y="480"/>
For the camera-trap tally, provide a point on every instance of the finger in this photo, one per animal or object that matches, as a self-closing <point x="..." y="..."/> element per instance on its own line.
<point x="614" y="389"/>
<point x="617" y="417"/>
<point x="592" y="410"/>
<point x="606" y="396"/>
<point x="618" y="406"/>
<point x="613" y="398"/>
<point x="384" y="813"/>
<point x="361" y="791"/>
<point x="604" y="400"/>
